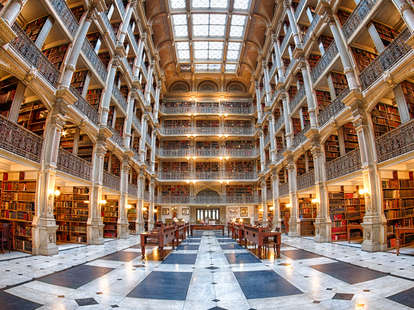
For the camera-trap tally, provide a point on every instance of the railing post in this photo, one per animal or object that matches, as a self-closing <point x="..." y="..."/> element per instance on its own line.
<point x="139" y="224"/>
<point x="122" y="225"/>
<point x="44" y="224"/>
<point x="151" y="206"/>
<point x="294" y="221"/>
<point x="277" y="221"/>
<point x="264" y="201"/>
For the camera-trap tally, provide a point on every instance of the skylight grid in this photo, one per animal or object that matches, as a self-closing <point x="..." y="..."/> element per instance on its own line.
<point x="205" y="50"/>
<point x="177" y="4"/>
<point x="210" y="4"/>
<point x="207" y="67"/>
<point x="180" y="27"/>
<point x="209" y="25"/>
<point x="241" y="4"/>
<point x="231" y="68"/>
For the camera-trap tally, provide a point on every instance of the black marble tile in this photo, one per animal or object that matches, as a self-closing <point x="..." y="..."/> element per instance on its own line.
<point x="122" y="256"/>
<point x="163" y="285"/>
<point x="299" y="254"/>
<point x="405" y="298"/>
<point x="76" y="277"/>
<point x="212" y="268"/>
<point x="217" y="308"/>
<point x="343" y="296"/>
<point x="231" y="246"/>
<point x="9" y="301"/>
<point x="242" y="258"/>
<point x="185" y="259"/>
<point x="187" y="247"/>
<point x="349" y="273"/>
<point x="86" y="301"/>
<point x="264" y="284"/>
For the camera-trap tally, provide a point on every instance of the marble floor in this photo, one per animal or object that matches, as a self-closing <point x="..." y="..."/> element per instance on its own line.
<point x="208" y="271"/>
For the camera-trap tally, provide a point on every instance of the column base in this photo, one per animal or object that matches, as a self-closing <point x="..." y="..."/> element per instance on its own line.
<point x="94" y="233"/>
<point x="323" y="230"/>
<point x="6" y="32"/>
<point x="44" y="238"/>
<point x="294" y="229"/>
<point x="374" y="232"/>
<point x="122" y="230"/>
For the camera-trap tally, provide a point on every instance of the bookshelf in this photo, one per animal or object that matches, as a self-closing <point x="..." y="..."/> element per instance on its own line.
<point x="18" y="193"/>
<point x="78" y="80"/>
<point x="386" y="33"/>
<point x="332" y="148"/>
<point x="323" y="98"/>
<point x="56" y="54"/>
<point x="362" y="57"/>
<point x="339" y="81"/>
<point x="385" y="117"/>
<point x="350" y="137"/>
<point x="94" y="97"/>
<point x="33" y="116"/>
<point x="7" y="93"/>
<point x="33" y="28"/>
<point x="354" y="212"/>
<point x="132" y="217"/>
<point x="343" y="16"/>
<point x="307" y="215"/>
<point x="110" y="218"/>
<point x="71" y="214"/>
<point x="284" y="216"/>
<point x="398" y="202"/>
<point x="313" y="59"/>
<point x="337" y="213"/>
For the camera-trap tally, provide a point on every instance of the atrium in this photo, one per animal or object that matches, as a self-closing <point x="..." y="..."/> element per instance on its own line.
<point x="206" y="154"/>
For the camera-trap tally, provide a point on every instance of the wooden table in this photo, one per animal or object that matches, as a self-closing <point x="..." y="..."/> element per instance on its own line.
<point x="350" y="227"/>
<point x="259" y="236"/>
<point x="238" y="232"/>
<point x="181" y="232"/>
<point x="399" y="231"/>
<point x="163" y="236"/>
<point x="206" y="227"/>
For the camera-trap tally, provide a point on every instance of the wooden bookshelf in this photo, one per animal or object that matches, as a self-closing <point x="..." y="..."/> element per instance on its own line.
<point x="78" y="80"/>
<point x="132" y="217"/>
<point x="284" y="216"/>
<point x="33" y="28"/>
<point x="350" y="137"/>
<point x="17" y="206"/>
<point x="33" y="116"/>
<point x="398" y="201"/>
<point x="307" y="215"/>
<point x="110" y="218"/>
<point x="323" y="98"/>
<point x="332" y="148"/>
<point x="7" y="93"/>
<point x="354" y="212"/>
<point x="339" y="81"/>
<point x="385" y="117"/>
<point x="56" y="54"/>
<point x="71" y="214"/>
<point x="362" y="57"/>
<point x="386" y="33"/>
<point x="337" y="213"/>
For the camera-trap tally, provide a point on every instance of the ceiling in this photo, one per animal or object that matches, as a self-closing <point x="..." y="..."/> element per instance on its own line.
<point x="217" y="39"/>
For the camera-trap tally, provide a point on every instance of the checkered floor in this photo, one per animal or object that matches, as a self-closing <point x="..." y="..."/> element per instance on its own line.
<point x="209" y="271"/>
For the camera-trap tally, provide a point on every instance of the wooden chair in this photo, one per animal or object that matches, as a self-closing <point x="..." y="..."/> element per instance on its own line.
<point x="5" y="236"/>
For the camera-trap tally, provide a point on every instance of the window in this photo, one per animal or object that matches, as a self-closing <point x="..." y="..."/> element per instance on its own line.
<point x="180" y="25"/>
<point x="204" y="50"/>
<point x="209" y="25"/>
<point x="210" y="4"/>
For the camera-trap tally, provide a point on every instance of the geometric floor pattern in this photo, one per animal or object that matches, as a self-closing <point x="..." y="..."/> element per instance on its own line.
<point x="210" y="271"/>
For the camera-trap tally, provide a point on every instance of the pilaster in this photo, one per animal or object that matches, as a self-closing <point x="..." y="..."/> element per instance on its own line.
<point x="122" y="225"/>
<point x="294" y="221"/>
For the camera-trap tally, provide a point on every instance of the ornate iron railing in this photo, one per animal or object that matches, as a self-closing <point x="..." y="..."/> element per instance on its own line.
<point x="325" y="61"/>
<point x="332" y="109"/>
<point x="207" y="152"/>
<point x="148" y="139"/>
<point x="357" y="17"/>
<point x="66" y="15"/>
<point x="177" y="110"/>
<point x="207" y="130"/>
<point x="132" y="190"/>
<point x="279" y="155"/>
<point x="206" y="175"/>
<point x="85" y="107"/>
<point x="208" y="199"/>
<point x="94" y="59"/>
<point x="74" y="165"/>
<point x="20" y="141"/>
<point x="119" y="98"/>
<point x="289" y="68"/>
<point x="241" y="152"/>
<point x="343" y="165"/>
<point x="299" y="138"/>
<point x="25" y="47"/>
<point x="266" y="139"/>
<point x="237" y="110"/>
<point x="109" y="27"/>
<point x="306" y="180"/>
<point x="388" y="58"/>
<point x="176" y="131"/>
<point x="175" y="175"/>
<point x="111" y="181"/>
<point x="207" y="109"/>
<point x="238" y="130"/>
<point x="311" y="28"/>
<point x="249" y="175"/>
<point x="396" y="142"/>
<point x="174" y="152"/>
<point x="116" y="137"/>
<point x="297" y="99"/>
<point x="283" y="189"/>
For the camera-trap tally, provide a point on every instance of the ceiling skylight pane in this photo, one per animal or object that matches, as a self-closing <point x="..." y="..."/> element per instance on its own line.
<point x="236" y="31"/>
<point x="198" y="45"/>
<point x="179" y="19"/>
<point x="215" y="54"/>
<point x="177" y="4"/>
<point x="217" y="19"/>
<point x="201" y="3"/>
<point x="239" y="20"/>
<point x="219" y="4"/>
<point x="234" y="46"/>
<point x="201" y="54"/>
<point x="180" y="31"/>
<point x="209" y="25"/>
<point x="184" y="54"/>
<point x="216" y="45"/>
<point x="200" y="19"/>
<point x="200" y="67"/>
<point x="232" y="55"/>
<point x="182" y="45"/>
<point x="212" y="4"/>
<point x="231" y="67"/>
<point x="241" y="4"/>
<point x="214" y="67"/>
<point x="216" y="31"/>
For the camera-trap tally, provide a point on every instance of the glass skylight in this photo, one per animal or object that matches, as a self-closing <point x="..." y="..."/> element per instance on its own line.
<point x="209" y="21"/>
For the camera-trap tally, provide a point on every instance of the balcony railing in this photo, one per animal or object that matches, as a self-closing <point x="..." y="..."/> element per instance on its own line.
<point x="176" y="175"/>
<point x="20" y="141"/>
<point x="208" y="109"/>
<point x="238" y="130"/>
<point x="312" y="26"/>
<point x="74" y="165"/>
<point x="208" y="175"/>
<point x="133" y="40"/>
<point x="325" y="61"/>
<point x="119" y="98"/>
<point x="116" y="137"/>
<point x="241" y="152"/>
<point x="207" y="152"/>
<point x="343" y="165"/>
<point x="148" y="139"/>
<point x="177" y="110"/>
<point x="357" y="17"/>
<point x="240" y="175"/>
<point x="109" y="27"/>
<point x="279" y="155"/>
<point x="289" y="68"/>
<point x="299" y="8"/>
<point x="94" y="60"/>
<point x="237" y="110"/>
<point x="146" y="196"/>
<point x="185" y="199"/>
<point x="85" y="107"/>
<point x="132" y="190"/>
<point x="176" y="130"/>
<point x="266" y="139"/>
<point x="174" y="152"/>
<point x="299" y="138"/>
<point x="396" y="142"/>
<point x="111" y="181"/>
<point x="207" y="130"/>
<point x="283" y="189"/>
<point x="136" y="123"/>
<point x="388" y="58"/>
<point x="332" y="109"/>
<point x="306" y="180"/>
<point x="25" y="47"/>
<point x="279" y="123"/>
<point x="298" y="98"/>
<point x="66" y="15"/>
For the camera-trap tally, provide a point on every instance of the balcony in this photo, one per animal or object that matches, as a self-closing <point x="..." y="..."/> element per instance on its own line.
<point x="26" y="48"/>
<point x="176" y="175"/>
<point x="207" y="130"/>
<point x="207" y="152"/>
<point x="242" y="153"/>
<point x="289" y="68"/>
<point x="325" y="61"/>
<point x="306" y="180"/>
<point x="312" y="27"/>
<point x="120" y="98"/>
<point x="116" y="137"/>
<point x="357" y="17"/>
<point x="174" y="152"/>
<point x="133" y="40"/>
<point x="343" y="165"/>
<point x="66" y="16"/>
<point x="94" y="60"/>
<point x="175" y="131"/>
<point x="213" y="109"/>
<point x="132" y="190"/>
<point x="396" y="142"/>
<point x="332" y="109"/>
<point x="109" y="27"/>
<point x="386" y="60"/>
<point x="266" y="140"/>
<point x="88" y="110"/>
<point x="146" y="196"/>
<point x="207" y="175"/>
<point x="74" y="165"/>
<point x="298" y="98"/>
<point x="237" y="110"/>
<point x="253" y="152"/>
<point x="136" y="123"/>
<point x="245" y="131"/>
<point x="185" y="199"/>
<point x="299" y="138"/>
<point x="283" y="189"/>
<point x="279" y="155"/>
<point x="111" y="181"/>
<point x="177" y="110"/>
<point x="148" y="139"/>
<point x="20" y="141"/>
<point x="237" y="131"/>
<point x="279" y="123"/>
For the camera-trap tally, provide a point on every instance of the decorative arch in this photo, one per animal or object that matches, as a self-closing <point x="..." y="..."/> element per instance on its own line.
<point x="179" y="86"/>
<point x="207" y="86"/>
<point x="236" y="87"/>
